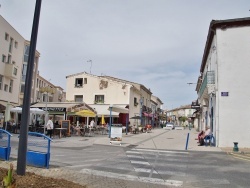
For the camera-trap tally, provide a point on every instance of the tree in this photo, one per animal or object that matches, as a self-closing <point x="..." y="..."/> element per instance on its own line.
<point x="183" y="119"/>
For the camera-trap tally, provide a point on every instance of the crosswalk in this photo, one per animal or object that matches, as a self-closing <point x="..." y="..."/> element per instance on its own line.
<point x="168" y="168"/>
<point x="241" y="156"/>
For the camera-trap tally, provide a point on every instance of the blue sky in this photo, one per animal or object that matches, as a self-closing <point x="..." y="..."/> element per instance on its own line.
<point x="158" y="43"/>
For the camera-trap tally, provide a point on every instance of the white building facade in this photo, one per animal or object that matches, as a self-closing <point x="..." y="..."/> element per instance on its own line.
<point x="11" y="52"/>
<point x="223" y="92"/>
<point x="106" y="90"/>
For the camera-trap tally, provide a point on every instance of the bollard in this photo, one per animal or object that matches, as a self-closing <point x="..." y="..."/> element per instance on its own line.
<point x="236" y="149"/>
<point x="187" y="141"/>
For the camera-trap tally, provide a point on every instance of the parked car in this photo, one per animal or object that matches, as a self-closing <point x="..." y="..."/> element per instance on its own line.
<point x="171" y="125"/>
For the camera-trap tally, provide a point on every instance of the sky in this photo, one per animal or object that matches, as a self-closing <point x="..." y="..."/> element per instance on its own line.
<point x="157" y="43"/>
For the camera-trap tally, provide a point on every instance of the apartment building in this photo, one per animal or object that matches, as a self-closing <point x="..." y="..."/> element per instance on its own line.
<point x="45" y="91"/>
<point x="14" y="52"/>
<point x="24" y="72"/>
<point x="222" y="87"/>
<point x="11" y="52"/>
<point x="103" y="91"/>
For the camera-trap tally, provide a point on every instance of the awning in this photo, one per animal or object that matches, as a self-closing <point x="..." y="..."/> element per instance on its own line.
<point x="62" y="106"/>
<point x="120" y="109"/>
<point x="102" y="109"/>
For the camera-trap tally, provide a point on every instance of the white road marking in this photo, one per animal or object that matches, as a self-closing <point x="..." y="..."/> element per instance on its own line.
<point x="145" y="170"/>
<point x="160" y="151"/>
<point x="140" y="162"/>
<point x="134" y="152"/>
<point x="133" y="178"/>
<point x="135" y="156"/>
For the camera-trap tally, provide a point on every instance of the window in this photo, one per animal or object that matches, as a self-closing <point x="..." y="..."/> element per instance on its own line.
<point x="11" y="86"/>
<point x="15" y="71"/>
<point x="24" y="72"/>
<point x="22" y="88"/>
<point x="78" y="98"/>
<point x="99" y="99"/>
<point x="11" y="44"/>
<point x="85" y="80"/>
<point x="135" y="101"/>
<point x="9" y="59"/>
<point x="1" y="81"/>
<point x="6" y="36"/>
<point x="16" y="44"/>
<point x="5" y="87"/>
<point x="79" y="82"/>
<point x="3" y="58"/>
<point x="26" y="53"/>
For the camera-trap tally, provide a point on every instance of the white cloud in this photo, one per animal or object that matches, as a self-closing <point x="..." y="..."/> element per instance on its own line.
<point x="158" y="43"/>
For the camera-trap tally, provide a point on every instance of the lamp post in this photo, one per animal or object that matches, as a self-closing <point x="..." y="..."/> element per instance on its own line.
<point x="110" y="119"/>
<point x="141" y="103"/>
<point x="46" y="90"/>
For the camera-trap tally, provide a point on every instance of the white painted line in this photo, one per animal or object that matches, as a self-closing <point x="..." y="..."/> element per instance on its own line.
<point x="134" y="152"/>
<point x="146" y="170"/>
<point x="135" y="156"/>
<point x="140" y="162"/>
<point x="133" y="178"/>
<point x="160" y="151"/>
<point x="211" y="181"/>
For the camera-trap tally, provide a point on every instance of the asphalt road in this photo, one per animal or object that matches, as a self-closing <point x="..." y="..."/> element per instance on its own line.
<point x="156" y="168"/>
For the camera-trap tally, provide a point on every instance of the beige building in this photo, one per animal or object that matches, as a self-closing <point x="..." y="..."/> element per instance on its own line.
<point x="11" y="51"/>
<point x="45" y="91"/>
<point x="103" y="91"/>
<point x="14" y="54"/>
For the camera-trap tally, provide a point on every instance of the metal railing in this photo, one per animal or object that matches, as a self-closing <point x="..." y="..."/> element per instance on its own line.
<point x="208" y="79"/>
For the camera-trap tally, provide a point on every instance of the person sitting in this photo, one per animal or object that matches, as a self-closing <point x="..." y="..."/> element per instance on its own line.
<point x="199" y="136"/>
<point x="205" y="134"/>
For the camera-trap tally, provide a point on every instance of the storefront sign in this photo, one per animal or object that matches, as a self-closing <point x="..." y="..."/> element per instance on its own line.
<point x="55" y="109"/>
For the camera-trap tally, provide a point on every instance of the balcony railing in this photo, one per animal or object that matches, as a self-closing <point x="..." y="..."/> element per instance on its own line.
<point x="208" y="79"/>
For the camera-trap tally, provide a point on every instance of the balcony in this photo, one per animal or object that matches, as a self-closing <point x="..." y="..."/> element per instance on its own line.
<point x="10" y="71"/>
<point x="209" y="80"/>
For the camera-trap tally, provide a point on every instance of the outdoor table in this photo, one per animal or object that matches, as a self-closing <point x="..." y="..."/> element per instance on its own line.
<point x="60" y="129"/>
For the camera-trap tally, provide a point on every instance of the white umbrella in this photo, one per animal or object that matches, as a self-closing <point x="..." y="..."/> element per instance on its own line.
<point x="16" y="109"/>
<point x="37" y="111"/>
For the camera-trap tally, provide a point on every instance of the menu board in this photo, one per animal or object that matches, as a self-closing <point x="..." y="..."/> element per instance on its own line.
<point x="116" y="133"/>
<point x="66" y="124"/>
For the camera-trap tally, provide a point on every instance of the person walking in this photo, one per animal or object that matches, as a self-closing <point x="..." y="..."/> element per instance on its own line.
<point x="50" y="127"/>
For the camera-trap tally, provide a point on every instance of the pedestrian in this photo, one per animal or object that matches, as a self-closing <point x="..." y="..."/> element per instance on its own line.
<point x="50" y="127"/>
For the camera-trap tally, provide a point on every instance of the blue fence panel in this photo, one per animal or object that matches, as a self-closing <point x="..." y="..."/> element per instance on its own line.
<point x="5" y="147"/>
<point x="38" y="150"/>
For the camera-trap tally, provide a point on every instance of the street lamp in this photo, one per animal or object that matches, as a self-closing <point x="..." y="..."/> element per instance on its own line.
<point x="46" y="90"/>
<point x="110" y="119"/>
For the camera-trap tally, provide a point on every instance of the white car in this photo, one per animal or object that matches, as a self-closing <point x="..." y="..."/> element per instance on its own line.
<point x="169" y="125"/>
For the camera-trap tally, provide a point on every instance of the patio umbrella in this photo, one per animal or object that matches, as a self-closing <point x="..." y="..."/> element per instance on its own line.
<point x="86" y="113"/>
<point x="37" y="111"/>
<point x="16" y="109"/>
<point x="103" y="120"/>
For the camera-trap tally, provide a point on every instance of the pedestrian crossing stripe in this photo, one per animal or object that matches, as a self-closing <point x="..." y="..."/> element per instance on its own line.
<point x="161" y="151"/>
<point x="241" y="157"/>
<point x="175" y="183"/>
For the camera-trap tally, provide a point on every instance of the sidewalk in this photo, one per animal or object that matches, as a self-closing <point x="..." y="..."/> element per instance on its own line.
<point x="158" y="139"/>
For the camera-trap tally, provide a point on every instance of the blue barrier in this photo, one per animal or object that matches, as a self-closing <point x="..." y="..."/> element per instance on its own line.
<point x="187" y="141"/>
<point x="38" y="150"/>
<point x="5" y="144"/>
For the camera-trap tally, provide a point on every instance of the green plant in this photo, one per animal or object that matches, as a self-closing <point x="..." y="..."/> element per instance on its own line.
<point x="8" y="180"/>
